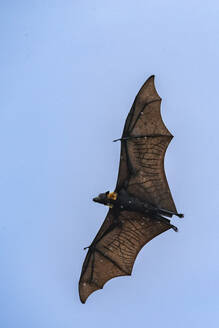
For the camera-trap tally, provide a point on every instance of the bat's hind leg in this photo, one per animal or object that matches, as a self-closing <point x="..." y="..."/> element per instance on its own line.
<point x="162" y="219"/>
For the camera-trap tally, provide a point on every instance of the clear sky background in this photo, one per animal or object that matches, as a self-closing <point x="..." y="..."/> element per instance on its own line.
<point x="69" y="73"/>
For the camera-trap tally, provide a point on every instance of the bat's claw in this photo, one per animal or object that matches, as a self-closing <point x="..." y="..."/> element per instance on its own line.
<point x="88" y="247"/>
<point x="174" y="228"/>
<point x="92" y="246"/>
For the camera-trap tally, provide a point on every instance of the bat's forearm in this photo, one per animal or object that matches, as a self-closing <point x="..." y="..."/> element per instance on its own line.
<point x="143" y="136"/>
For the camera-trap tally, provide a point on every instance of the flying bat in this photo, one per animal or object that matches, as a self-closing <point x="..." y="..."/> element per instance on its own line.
<point x="141" y="203"/>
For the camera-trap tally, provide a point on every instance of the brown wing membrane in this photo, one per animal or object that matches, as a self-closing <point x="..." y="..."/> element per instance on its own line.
<point x="144" y="142"/>
<point x="115" y="248"/>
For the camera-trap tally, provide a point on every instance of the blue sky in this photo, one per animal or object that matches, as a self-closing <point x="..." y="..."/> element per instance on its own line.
<point x="69" y="73"/>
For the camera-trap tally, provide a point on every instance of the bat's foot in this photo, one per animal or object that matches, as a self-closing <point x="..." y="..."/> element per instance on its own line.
<point x="174" y="228"/>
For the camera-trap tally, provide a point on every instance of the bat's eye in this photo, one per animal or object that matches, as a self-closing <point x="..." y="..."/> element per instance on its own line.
<point x="102" y="196"/>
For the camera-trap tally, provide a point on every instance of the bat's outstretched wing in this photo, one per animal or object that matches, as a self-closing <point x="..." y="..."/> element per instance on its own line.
<point x="122" y="235"/>
<point x="115" y="248"/>
<point x="143" y="145"/>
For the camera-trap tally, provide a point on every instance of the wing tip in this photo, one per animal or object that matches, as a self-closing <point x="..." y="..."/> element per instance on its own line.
<point x="82" y="301"/>
<point x="148" y="89"/>
<point x="150" y="78"/>
<point x="84" y="294"/>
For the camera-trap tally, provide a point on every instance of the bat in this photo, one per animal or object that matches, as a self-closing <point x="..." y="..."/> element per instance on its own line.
<point x="141" y="204"/>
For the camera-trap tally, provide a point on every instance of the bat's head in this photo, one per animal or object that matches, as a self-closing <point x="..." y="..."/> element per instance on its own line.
<point x="102" y="198"/>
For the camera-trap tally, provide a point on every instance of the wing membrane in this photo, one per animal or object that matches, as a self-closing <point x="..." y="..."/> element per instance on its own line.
<point x="142" y="158"/>
<point x="114" y="253"/>
<point x="144" y="142"/>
